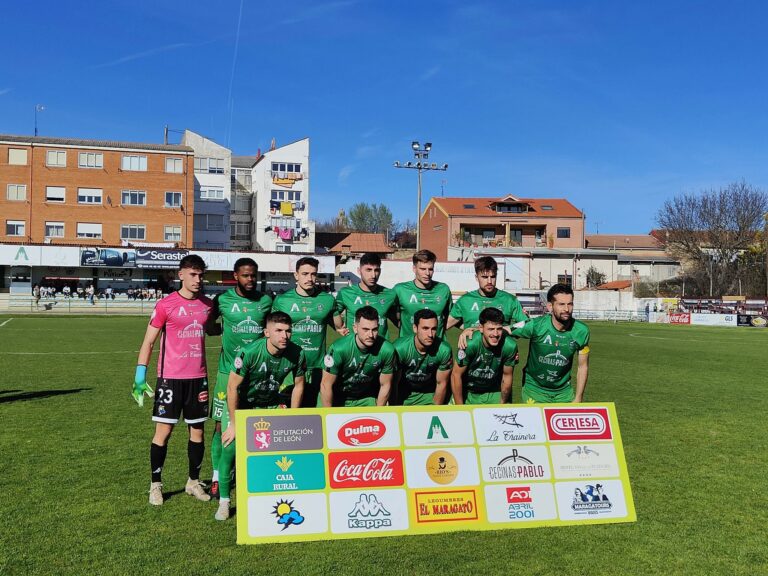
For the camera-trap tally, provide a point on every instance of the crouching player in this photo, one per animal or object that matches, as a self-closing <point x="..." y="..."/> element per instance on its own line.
<point x="484" y="370"/>
<point x="254" y="382"/>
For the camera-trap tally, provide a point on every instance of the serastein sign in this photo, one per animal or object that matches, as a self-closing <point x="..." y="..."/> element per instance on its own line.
<point x="365" y="469"/>
<point x="362" y="432"/>
<point x="577" y="423"/>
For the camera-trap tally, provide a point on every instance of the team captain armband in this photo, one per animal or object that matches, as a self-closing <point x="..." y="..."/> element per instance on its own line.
<point x="584" y="351"/>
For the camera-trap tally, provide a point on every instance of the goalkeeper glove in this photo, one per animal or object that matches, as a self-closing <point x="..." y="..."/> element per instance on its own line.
<point x="140" y="386"/>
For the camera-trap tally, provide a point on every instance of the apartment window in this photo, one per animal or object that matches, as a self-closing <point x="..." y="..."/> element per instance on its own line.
<point x="209" y="222"/>
<point x="54" y="229"/>
<point x="134" y="163"/>
<point x="286" y="195"/>
<point x="516" y="235"/>
<point x="91" y="160"/>
<point x="241" y="228"/>
<point x="563" y="232"/>
<point x="57" y="158"/>
<point x="211" y="193"/>
<point x="88" y="230"/>
<point x="174" y="165"/>
<point x="133" y="232"/>
<point x="209" y="165"/>
<point x="547" y="207"/>
<point x="14" y="227"/>
<point x="242" y="203"/>
<point x="55" y="193"/>
<point x="172" y="233"/>
<point x="17" y="192"/>
<point x="283" y="248"/>
<point x="17" y="156"/>
<point x="172" y="199"/>
<point x="89" y="195"/>
<point x="285" y="167"/>
<point x="134" y="198"/>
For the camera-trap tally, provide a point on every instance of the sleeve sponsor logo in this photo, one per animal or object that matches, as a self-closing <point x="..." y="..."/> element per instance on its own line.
<point x="362" y="432"/>
<point x="365" y="469"/>
<point x="577" y="423"/>
<point x="448" y="506"/>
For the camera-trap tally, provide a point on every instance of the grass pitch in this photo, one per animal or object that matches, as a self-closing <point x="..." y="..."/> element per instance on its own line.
<point x="691" y="403"/>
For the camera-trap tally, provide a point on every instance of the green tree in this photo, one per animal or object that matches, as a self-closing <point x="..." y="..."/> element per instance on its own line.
<point x="594" y="277"/>
<point x="364" y="217"/>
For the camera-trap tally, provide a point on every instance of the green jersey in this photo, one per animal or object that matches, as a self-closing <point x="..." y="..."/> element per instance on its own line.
<point x="352" y="298"/>
<point x="418" y="372"/>
<point x="467" y="308"/>
<point x="411" y="298"/>
<point x="242" y="322"/>
<point x="264" y="372"/>
<point x="550" y="357"/>
<point x="357" y="370"/>
<point x="485" y="366"/>
<point x="310" y="315"/>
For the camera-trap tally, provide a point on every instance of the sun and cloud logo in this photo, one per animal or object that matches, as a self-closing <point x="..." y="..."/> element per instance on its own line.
<point x="287" y="514"/>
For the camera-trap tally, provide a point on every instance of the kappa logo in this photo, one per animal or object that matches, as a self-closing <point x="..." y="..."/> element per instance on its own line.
<point x="369" y="513"/>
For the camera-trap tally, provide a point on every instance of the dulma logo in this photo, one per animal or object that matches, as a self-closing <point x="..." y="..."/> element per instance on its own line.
<point x="362" y="432"/>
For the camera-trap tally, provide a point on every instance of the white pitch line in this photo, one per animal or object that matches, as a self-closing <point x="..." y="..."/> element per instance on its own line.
<point x="82" y="353"/>
<point x="6" y="322"/>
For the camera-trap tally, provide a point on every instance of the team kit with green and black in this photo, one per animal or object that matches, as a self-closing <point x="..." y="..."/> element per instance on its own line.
<point x="274" y="355"/>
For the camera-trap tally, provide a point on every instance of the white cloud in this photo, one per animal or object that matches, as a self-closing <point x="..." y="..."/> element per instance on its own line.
<point x="345" y="173"/>
<point x="4" y="91"/>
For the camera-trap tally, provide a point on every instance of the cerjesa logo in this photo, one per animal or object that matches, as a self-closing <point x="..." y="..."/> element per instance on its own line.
<point x="578" y="423"/>
<point x="362" y="431"/>
<point x="369" y="513"/>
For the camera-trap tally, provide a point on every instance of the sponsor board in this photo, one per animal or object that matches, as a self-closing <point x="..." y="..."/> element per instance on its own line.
<point x="592" y="499"/>
<point x="514" y="463"/>
<point x="437" y="428"/>
<point x="446" y="506"/>
<point x="679" y="318"/>
<point x="508" y="425"/>
<point x="752" y="321"/>
<point x="428" y="468"/>
<point x="520" y="503"/>
<point x="369" y="511"/>
<point x="154" y="258"/>
<point x="702" y="319"/>
<point x="286" y="472"/>
<point x="365" y="469"/>
<point x="344" y="431"/>
<point x="282" y="433"/>
<point x="577" y="423"/>
<point x="292" y="515"/>
<point x="592" y="460"/>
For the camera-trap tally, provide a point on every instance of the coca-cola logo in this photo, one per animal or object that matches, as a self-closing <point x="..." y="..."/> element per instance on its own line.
<point x="362" y="431"/>
<point x="578" y="423"/>
<point x="365" y="469"/>
<point x="519" y="495"/>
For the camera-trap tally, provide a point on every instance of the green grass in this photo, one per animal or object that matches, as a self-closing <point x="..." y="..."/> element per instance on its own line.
<point x="691" y="402"/>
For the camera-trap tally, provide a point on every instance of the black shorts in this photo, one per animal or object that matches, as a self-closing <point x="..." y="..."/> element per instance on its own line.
<point x="174" y="397"/>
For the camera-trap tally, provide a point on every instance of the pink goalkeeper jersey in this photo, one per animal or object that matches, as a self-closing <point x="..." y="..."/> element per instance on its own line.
<point x="182" y="345"/>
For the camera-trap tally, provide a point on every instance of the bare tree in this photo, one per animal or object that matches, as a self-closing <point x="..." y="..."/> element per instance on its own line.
<point x="711" y="230"/>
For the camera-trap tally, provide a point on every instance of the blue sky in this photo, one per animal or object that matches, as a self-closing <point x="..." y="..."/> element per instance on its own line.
<point x="614" y="105"/>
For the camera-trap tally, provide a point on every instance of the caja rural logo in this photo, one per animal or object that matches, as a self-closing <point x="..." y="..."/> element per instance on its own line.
<point x="362" y="431"/>
<point x="578" y="423"/>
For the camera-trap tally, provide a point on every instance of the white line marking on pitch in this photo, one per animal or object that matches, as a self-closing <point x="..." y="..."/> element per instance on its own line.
<point x="83" y="353"/>
<point x="6" y="322"/>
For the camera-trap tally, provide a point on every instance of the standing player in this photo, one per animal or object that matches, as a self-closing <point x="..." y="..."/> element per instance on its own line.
<point x="311" y="311"/>
<point x="182" y="377"/>
<point x="555" y="339"/>
<point x="466" y="311"/>
<point x="359" y="366"/>
<point x="262" y="366"/>
<point x="484" y="370"/>
<point x="367" y="293"/>
<point x="424" y="363"/>
<point x="422" y="292"/>
<point x="242" y="310"/>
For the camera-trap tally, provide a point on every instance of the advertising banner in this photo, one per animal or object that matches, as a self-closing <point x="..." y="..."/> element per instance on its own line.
<point x="752" y="320"/>
<point x="700" y="319"/>
<point x="679" y="318"/>
<point x="334" y="473"/>
<point x="157" y="258"/>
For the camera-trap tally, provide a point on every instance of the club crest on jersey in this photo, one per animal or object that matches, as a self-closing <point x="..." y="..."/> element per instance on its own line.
<point x="238" y="362"/>
<point x="328" y="360"/>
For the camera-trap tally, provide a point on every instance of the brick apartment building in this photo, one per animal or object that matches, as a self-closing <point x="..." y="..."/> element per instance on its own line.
<point x="93" y="192"/>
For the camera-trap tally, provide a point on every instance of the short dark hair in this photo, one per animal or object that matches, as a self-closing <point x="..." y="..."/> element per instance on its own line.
<point x="423" y="314"/>
<point x="491" y="314"/>
<point x="192" y="261"/>
<point x="486" y="264"/>
<point x="278" y="317"/>
<point x="370" y="259"/>
<point x="558" y="289"/>
<point x="367" y="313"/>
<point x="424" y="256"/>
<point x="240" y="262"/>
<point x="314" y="262"/>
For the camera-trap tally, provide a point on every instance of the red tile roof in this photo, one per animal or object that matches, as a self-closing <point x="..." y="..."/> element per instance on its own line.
<point x="615" y="285"/>
<point x="623" y="241"/>
<point x="561" y="208"/>
<point x="361" y="242"/>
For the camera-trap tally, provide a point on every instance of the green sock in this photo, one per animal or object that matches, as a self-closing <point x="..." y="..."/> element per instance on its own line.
<point x="215" y="452"/>
<point x="226" y="462"/>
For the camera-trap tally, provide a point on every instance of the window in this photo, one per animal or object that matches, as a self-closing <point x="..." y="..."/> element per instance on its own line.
<point x="211" y="193"/>
<point x="172" y="199"/>
<point x="55" y="193"/>
<point x="547" y="207"/>
<point x="57" y="158"/>
<point x="91" y="160"/>
<point x="437" y="228"/>
<point x="516" y="235"/>
<point x="209" y="165"/>
<point x="172" y="233"/>
<point x="286" y="195"/>
<point x="88" y="230"/>
<point x="174" y="165"/>
<point x="469" y="206"/>
<point x="134" y="163"/>
<point x="283" y="248"/>
<point x="54" y="229"/>
<point x="512" y="208"/>
<point x="566" y="279"/>
<point x="241" y="229"/>
<point x="17" y="192"/>
<point x="89" y="195"/>
<point x="209" y="222"/>
<point x="133" y="232"/>
<point x="285" y="167"/>
<point x="14" y="227"/>
<point x="242" y="203"/>
<point x="489" y="234"/>
<point x="134" y="198"/>
<point x="563" y="232"/>
<point x="17" y="156"/>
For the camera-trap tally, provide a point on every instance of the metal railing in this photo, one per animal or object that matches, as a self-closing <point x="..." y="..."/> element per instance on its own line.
<point x="60" y="305"/>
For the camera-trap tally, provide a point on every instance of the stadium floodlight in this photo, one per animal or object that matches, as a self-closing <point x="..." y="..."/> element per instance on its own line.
<point x="428" y="146"/>
<point x="415" y="145"/>
<point x="397" y="164"/>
